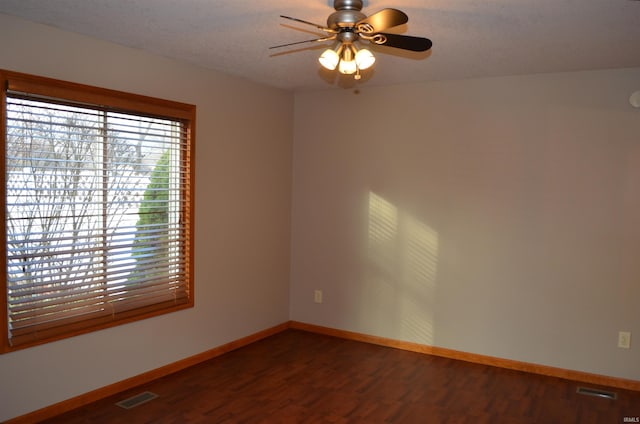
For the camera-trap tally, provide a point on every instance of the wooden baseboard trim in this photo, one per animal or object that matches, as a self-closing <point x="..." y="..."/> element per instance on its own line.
<point x="577" y="376"/>
<point x="112" y="389"/>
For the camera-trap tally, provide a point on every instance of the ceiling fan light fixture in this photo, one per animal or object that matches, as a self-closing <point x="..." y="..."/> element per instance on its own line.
<point x="347" y="63"/>
<point x="365" y="59"/>
<point x="347" y="67"/>
<point x="329" y="59"/>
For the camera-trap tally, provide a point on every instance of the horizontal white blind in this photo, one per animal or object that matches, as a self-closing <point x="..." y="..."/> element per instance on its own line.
<point x="97" y="214"/>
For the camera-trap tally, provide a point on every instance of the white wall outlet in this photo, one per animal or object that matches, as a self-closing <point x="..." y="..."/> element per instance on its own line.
<point x="624" y="339"/>
<point x="317" y="296"/>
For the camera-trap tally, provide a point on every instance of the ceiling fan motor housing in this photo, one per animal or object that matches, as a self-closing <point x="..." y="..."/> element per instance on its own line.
<point x="347" y="14"/>
<point x="347" y="4"/>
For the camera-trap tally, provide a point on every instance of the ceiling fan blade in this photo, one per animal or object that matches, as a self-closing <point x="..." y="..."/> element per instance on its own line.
<point x="305" y="41"/>
<point x="320" y="27"/>
<point x="386" y="18"/>
<point x="406" y="42"/>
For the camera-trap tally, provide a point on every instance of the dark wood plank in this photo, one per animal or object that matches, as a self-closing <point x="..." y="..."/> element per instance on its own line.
<point x="301" y="377"/>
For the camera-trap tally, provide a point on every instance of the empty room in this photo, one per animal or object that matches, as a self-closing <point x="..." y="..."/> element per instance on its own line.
<point x="320" y="211"/>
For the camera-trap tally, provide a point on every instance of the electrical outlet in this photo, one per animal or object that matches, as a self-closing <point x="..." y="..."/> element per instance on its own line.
<point x="317" y="296"/>
<point x="624" y="339"/>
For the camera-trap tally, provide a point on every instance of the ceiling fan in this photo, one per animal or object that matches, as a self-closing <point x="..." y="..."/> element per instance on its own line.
<point x="348" y="25"/>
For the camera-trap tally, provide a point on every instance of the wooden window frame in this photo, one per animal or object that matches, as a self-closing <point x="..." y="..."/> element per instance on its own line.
<point x="121" y="102"/>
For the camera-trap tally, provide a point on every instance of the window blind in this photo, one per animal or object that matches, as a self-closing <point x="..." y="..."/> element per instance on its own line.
<point x="98" y="216"/>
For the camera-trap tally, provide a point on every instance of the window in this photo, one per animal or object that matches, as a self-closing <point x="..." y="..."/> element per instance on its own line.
<point x="98" y="203"/>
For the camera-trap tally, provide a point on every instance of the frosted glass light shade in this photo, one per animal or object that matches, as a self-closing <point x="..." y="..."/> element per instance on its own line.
<point x="347" y="67"/>
<point x="329" y="59"/>
<point x="365" y="59"/>
<point x="635" y="99"/>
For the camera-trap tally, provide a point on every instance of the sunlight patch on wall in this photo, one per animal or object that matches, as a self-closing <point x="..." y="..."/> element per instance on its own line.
<point x="418" y="266"/>
<point x="403" y="256"/>
<point x="383" y="231"/>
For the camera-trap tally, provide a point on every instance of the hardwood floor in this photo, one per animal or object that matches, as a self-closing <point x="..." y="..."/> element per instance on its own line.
<point x="301" y="377"/>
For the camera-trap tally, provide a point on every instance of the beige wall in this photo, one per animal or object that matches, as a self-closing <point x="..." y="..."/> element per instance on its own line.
<point x="243" y="186"/>
<point x="494" y="216"/>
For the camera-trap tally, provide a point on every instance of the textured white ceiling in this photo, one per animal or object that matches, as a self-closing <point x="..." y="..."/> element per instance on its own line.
<point x="472" y="38"/>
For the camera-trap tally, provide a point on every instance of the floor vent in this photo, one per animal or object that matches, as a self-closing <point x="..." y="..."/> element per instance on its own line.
<point x="137" y="400"/>
<point x="596" y="392"/>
